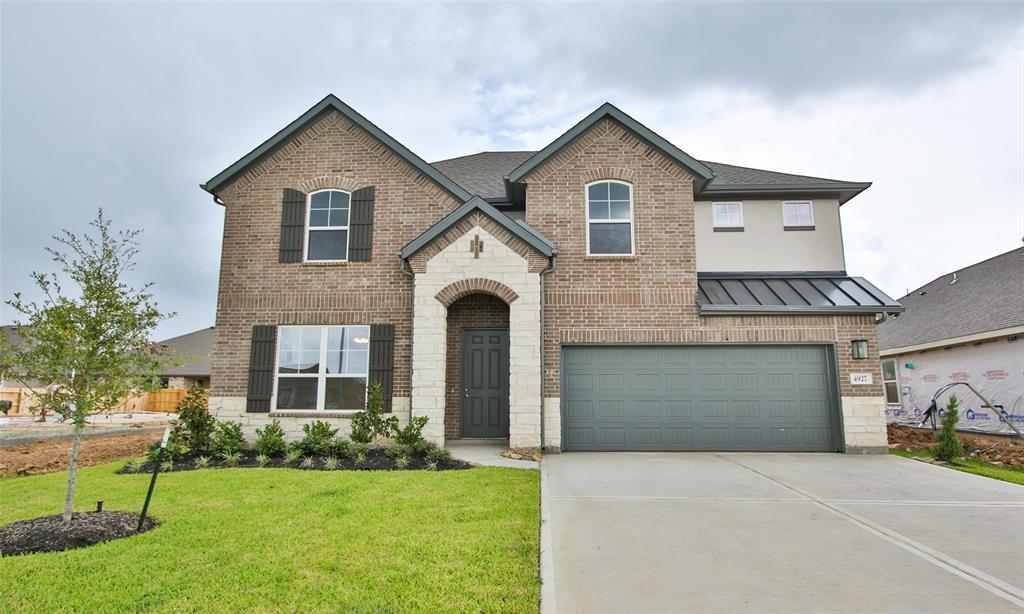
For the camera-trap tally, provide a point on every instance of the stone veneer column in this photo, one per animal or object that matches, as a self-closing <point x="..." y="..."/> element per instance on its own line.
<point x="496" y="262"/>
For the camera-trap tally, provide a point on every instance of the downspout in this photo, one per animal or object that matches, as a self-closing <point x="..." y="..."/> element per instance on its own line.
<point x="412" y="327"/>
<point x="549" y="269"/>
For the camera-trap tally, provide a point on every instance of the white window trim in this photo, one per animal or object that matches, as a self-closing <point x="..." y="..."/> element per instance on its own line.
<point x="896" y="374"/>
<point x="810" y="207"/>
<point x="322" y="375"/>
<point x="714" y="217"/>
<point x="348" y="223"/>
<point x="632" y="233"/>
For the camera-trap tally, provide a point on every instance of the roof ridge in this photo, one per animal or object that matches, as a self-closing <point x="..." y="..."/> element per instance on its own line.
<point x="486" y="151"/>
<point x="961" y="270"/>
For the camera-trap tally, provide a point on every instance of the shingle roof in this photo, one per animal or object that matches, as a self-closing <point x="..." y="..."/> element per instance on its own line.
<point x="987" y="296"/>
<point x="758" y="293"/>
<point x="194" y="347"/>
<point x="483" y="174"/>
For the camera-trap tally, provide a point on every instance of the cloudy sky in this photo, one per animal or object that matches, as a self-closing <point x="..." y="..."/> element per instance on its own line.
<point x="129" y="107"/>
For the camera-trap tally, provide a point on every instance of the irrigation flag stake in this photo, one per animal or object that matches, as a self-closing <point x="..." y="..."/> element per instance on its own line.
<point x="152" y="481"/>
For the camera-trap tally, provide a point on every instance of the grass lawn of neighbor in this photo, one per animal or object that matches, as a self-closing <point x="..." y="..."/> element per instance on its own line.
<point x="1014" y="475"/>
<point x="286" y="540"/>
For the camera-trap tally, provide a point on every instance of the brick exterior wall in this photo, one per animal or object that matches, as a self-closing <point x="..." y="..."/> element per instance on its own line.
<point x="473" y="311"/>
<point x="257" y="289"/>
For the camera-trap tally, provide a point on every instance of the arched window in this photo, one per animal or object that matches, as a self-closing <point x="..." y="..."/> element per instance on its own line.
<point x="609" y="218"/>
<point x="327" y="217"/>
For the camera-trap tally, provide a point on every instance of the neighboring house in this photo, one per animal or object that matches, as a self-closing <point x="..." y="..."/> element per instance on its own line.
<point x="193" y="350"/>
<point x="966" y="326"/>
<point x="609" y="292"/>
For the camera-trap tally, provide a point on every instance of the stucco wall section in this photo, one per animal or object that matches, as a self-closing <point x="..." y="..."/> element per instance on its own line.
<point x="500" y="263"/>
<point x="764" y="245"/>
<point x="233" y="409"/>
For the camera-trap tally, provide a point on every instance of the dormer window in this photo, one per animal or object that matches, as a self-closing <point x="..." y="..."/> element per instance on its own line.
<point x="798" y="215"/>
<point x="728" y="216"/>
<point x="609" y="219"/>
<point x="327" y="220"/>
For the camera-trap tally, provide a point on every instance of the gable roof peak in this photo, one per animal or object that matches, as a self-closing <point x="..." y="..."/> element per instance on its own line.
<point x="607" y="109"/>
<point x="330" y="101"/>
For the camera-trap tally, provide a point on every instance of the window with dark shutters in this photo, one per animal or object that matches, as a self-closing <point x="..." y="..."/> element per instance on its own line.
<point x="261" y="369"/>
<point x="293" y="225"/>
<point x="382" y="359"/>
<point x="360" y="243"/>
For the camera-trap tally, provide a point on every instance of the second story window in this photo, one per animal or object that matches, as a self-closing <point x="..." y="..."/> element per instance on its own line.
<point x="728" y="216"/>
<point x="327" y="226"/>
<point x="609" y="219"/>
<point x="798" y="215"/>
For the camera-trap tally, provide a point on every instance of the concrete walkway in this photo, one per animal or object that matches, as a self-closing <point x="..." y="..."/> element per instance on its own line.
<point x="487" y="455"/>
<point x="626" y="532"/>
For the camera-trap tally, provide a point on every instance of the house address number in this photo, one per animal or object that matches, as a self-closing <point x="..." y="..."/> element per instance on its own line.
<point x="861" y="379"/>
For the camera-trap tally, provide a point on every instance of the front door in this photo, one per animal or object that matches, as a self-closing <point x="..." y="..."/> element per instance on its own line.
<point x="485" y="382"/>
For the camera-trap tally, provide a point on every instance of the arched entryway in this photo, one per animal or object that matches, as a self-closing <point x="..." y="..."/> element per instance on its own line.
<point x="477" y="368"/>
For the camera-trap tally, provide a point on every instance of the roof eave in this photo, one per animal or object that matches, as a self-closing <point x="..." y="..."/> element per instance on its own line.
<point x="842" y="191"/>
<point x="332" y="101"/>
<point x="796" y="309"/>
<point x="702" y="172"/>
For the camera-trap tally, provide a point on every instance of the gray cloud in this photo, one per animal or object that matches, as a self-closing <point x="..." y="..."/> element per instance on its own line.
<point x="130" y="106"/>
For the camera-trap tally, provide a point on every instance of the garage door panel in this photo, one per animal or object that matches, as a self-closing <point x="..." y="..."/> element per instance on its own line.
<point x="697" y="398"/>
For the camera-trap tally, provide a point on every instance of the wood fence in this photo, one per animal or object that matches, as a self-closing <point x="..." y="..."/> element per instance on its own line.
<point x="165" y="400"/>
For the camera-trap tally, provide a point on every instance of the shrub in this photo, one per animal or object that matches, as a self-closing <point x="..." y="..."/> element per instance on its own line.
<point x="358" y="449"/>
<point x="133" y="466"/>
<point x="359" y="458"/>
<point x="5" y="406"/>
<point x="438" y="455"/>
<point x="262" y="459"/>
<point x="317" y="438"/>
<point x="231" y="459"/>
<point x="432" y="466"/>
<point x="331" y="463"/>
<point x="308" y="462"/>
<point x="174" y="452"/>
<point x="227" y="439"/>
<point x="398" y="451"/>
<point x="401" y="462"/>
<point x="339" y="447"/>
<point x="293" y="456"/>
<point x="270" y="440"/>
<point x="423" y="446"/>
<point x="202" y="462"/>
<point x="370" y="423"/>
<point x="949" y="447"/>
<point x="167" y="465"/>
<point x="195" y="424"/>
<point x="412" y="433"/>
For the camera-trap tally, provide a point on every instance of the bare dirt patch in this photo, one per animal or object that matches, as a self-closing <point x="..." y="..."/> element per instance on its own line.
<point x="52" y="534"/>
<point x="995" y="449"/>
<point x="52" y="455"/>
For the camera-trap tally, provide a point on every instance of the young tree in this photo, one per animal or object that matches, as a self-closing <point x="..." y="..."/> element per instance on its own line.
<point x="82" y="353"/>
<point x="949" y="447"/>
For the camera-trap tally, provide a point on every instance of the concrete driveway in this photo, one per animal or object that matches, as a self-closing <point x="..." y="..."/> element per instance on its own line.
<point x="652" y="532"/>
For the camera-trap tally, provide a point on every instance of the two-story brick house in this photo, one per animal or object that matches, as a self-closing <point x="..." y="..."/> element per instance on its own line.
<point x="608" y="292"/>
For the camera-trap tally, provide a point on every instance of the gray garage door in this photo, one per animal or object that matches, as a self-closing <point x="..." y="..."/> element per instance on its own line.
<point x="716" y="397"/>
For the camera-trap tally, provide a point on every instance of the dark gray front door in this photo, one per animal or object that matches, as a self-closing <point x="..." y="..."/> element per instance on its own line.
<point x="485" y="383"/>
<point x="711" y="397"/>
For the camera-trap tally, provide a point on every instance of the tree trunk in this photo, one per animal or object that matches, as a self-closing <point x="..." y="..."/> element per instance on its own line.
<point x="69" y="499"/>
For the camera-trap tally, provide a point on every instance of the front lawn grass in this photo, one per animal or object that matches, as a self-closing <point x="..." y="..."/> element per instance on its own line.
<point x="1014" y="475"/>
<point x="284" y="540"/>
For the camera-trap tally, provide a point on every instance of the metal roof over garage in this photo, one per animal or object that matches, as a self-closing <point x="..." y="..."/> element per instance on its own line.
<point x="816" y="294"/>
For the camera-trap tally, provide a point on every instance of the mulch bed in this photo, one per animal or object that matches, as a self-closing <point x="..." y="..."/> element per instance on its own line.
<point x="376" y="460"/>
<point x="994" y="449"/>
<point x="52" y="534"/>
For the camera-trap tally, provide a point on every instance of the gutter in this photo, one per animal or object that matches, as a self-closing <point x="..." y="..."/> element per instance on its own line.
<point x="550" y="268"/>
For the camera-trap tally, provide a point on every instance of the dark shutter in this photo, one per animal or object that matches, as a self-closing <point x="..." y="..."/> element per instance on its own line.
<point x="293" y="225"/>
<point x="261" y="369"/>
<point x="360" y="225"/>
<point x="382" y="359"/>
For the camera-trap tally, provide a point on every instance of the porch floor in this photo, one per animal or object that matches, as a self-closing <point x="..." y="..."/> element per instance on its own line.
<point x="486" y="452"/>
